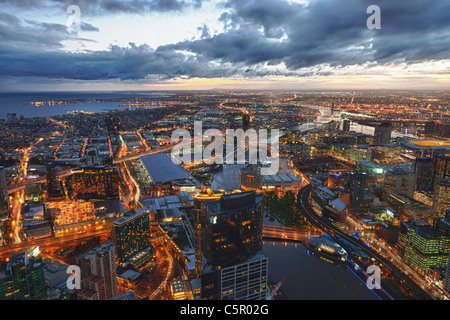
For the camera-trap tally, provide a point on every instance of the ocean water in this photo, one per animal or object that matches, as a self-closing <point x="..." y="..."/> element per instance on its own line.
<point x="19" y="103"/>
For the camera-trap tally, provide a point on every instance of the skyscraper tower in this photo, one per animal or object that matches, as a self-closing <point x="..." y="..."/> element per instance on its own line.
<point x="231" y="242"/>
<point x="131" y="234"/>
<point x="98" y="273"/>
<point x="357" y="187"/>
<point x="423" y="168"/>
<point x="23" y="278"/>
<point x="54" y="190"/>
<point x="3" y="189"/>
<point x="245" y="121"/>
<point x="441" y="201"/>
<point x="441" y="167"/>
<point x="207" y="194"/>
<point x="346" y="125"/>
<point x="447" y="279"/>
<point x="383" y="133"/>
<point x="429" y="127"/>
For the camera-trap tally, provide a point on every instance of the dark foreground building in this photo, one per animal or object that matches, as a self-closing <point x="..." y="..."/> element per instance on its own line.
<point x="231" y="242"/>
<point x="22" y="278"/>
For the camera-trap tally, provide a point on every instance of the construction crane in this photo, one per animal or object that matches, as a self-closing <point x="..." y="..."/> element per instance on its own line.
<point x="270" y="297"/>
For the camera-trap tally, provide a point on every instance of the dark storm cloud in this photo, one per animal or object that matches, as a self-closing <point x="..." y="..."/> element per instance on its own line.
<point x="14" y="32"/>
<point x="131" y="63"/>
<point x="330" y="32"/>
<point x="259" y="33"/>
<point x="34" y="34"/>
<point x="88" y="27"/>
<point x="108" y="7"/>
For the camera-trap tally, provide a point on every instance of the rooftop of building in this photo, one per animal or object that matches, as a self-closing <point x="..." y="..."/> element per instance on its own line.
<point x="289" y="177"/>
<point x="233" y="201"/>
<point x="161" y="169"/>
<point x="170" y="202"/>
<point x="130" y="216"/>
<point x="178" y="286"/>
<point x="100" y="249"/>
<point x="324" y="191"/>
<point x="169" y="213"/>
<point x="338" y="204"/>
<point x="417" y="223"/>
<point x="130" y="274"/>
<point x="427" y="232"/>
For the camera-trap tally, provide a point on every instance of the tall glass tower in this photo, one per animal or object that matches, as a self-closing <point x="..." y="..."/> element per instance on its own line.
<point x="231" y="242"/>
<point x="23" y="278"/>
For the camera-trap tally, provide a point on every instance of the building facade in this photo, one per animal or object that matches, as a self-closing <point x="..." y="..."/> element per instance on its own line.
<point x="23" y="278"/>
<point x="131" y="234"/>
<point x="98" y="273"/>
<point x="244" y="281"/>
<point x="231" y="243"/>
<point x="95" y="183"/>
<point x="441" y="201"/>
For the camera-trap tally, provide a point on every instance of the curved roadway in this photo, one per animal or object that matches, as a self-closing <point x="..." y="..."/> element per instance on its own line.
<point x="317" y="221"/>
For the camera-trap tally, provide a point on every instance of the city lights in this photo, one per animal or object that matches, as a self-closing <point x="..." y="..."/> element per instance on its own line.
<point x="225" y="158"/>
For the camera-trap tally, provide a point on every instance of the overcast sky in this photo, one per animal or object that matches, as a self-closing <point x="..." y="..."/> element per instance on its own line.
<point x="224" y="44"/>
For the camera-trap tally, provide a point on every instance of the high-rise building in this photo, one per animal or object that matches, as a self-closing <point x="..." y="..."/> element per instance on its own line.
<point x="357" y="186"/>
<point x="131" y="234"/>
<point x="400" y="181"/>
<point x="441" y="167"/>
<point x="54" y="190"/>
<point x="3" y="182"/>
<point x="441" y="201"/>
<point x="447" y="278"/>
<point x="442" y="130"/>
<point x="443" y="224"/>
<point x="22" y="278"/>
<point x="243" y="281"/>
<point x="245" y="121"/>
<point x="3" y="189"/>
<point x="207" y="194"/>
<point x="429" y="127"/>
<point x="95" y="183"/>
<point x="231" y="242"/>
<point x="423" y="168"/>
<point x="383" y="133"/>
<point x="426" y="247"/>
<point x="447" y="274"/>
<point x="98" y="273"/>
<point x="233" y="229"/>
<point x="346" y="125"/>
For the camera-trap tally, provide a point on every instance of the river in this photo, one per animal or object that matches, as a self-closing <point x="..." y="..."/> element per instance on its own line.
<point x="326" y="116"/>
<point x="308" y="277"/>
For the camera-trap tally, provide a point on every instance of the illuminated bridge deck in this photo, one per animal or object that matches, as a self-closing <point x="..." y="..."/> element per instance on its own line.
<point x="287" y="234"/>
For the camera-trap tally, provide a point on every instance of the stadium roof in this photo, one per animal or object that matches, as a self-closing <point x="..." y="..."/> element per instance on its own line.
<point x="161" y="168"/>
